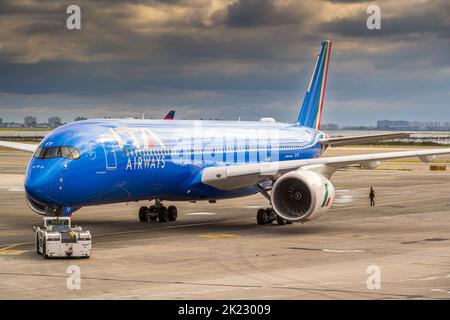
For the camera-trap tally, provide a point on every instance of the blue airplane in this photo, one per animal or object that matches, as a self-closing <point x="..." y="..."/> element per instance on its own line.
<point x="95" y="162"/>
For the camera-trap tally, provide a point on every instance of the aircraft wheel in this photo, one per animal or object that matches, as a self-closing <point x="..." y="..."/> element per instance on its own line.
<point x="143" y="217"/>
<point x="261" y="216"/>
<point x="163" y="214"/>
<point x="280" y="221"/>
<point x="152" y="213"/>
<point x="172" y="213"/>
<point x="271" y="216"/>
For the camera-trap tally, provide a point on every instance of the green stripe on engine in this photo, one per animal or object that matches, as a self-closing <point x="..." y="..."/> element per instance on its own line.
<point x="326" y="196"/>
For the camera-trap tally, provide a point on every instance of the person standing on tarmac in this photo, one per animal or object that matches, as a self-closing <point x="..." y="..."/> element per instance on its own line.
<point x="372" y="197"/>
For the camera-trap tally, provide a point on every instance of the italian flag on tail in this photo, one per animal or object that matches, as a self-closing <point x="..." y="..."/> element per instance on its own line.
<point x="312" y="107"/>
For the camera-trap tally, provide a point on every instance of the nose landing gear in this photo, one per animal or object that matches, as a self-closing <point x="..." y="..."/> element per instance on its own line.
<point x="159" y="212"/>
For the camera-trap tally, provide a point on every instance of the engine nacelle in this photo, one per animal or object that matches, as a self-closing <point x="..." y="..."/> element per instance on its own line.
<point x="302" y="195"/>
<point x="369" y="165"/>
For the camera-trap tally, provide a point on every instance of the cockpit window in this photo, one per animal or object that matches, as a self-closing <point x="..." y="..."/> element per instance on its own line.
<point x="39" y="153"/>
<point x="65" y="152"/>
<point x="75" y="153"/>
<point x="55" y="152"/>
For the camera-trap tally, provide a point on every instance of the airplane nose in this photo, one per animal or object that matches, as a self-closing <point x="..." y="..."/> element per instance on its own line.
<point x="42" y="185"/>
<point x="36" y="189"/>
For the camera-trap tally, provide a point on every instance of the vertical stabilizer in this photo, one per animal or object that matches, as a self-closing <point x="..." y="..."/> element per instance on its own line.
<point x="311" y="111"/>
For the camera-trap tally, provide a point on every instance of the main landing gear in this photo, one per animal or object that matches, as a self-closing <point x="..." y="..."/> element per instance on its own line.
<point x="268" y="216"/>
<point x="159" y="212"/>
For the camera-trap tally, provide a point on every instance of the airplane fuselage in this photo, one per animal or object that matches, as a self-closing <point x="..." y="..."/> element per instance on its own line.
<point x="132" y="160"/>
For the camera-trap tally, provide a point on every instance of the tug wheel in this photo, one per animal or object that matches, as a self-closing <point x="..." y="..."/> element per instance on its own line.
<point x="44" y="250"/>
<point x="37" y="243"/>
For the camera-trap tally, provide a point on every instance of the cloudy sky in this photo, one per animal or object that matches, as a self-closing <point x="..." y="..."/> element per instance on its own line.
<point x="223" y="59"/>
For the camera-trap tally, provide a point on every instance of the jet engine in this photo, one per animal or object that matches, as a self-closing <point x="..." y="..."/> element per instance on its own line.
<point x="302" y="195"/>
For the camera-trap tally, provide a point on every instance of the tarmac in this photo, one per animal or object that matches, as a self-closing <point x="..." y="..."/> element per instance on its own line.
<point x="399" y="249"/>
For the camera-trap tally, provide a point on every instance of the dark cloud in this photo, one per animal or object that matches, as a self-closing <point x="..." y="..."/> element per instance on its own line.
<point x="44" y="27"/>
<point x="223" y="59"/>
<point x="349" y="1"/>
<point x="254" y="13"/>
<point x="31" y="8"/>
<point x="427" y="17"/>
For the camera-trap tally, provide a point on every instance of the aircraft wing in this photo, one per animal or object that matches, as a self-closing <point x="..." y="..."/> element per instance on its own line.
<point x="242" y="175"/>
<point x="345" y="141"/>
<point x="19" y="146"/>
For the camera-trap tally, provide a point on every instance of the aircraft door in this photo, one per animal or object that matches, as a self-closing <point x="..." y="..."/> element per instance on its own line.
<point x="110" y="154"/>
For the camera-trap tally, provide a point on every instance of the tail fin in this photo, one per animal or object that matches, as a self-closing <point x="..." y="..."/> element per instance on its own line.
<point x="170" y="115"/>
<point x="311" y="111"/>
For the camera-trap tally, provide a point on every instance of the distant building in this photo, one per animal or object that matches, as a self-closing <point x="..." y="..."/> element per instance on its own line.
<point x="437" y="126"/>
<point x="392" y="125"/>
<point x="413" y="125"/>
<point x="54" y="122"/>
<point x="329" y="126"/>
<point x="417" y="125"/>
<point x="30" y="121"/>
<point x="1" y="121"/>
<point x="80" y="118"/>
